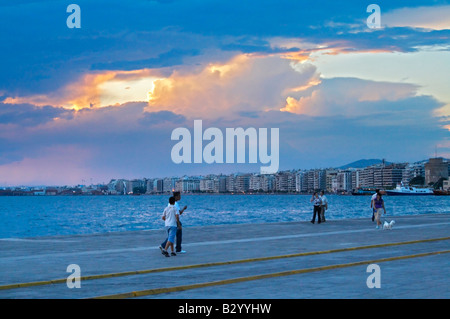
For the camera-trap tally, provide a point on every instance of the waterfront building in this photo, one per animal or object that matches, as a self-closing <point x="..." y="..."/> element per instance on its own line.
<point x="411" y="171"/>
<point x="268" y="182"/>
<point x="301" y="183"/>
<point x="255" y="183"/>
<point x="319" y="180"/>
<point x="242" y="183"/>
<point x="356" y="179"/>
<point x="220" y="184"/>
<point x="117" y="186"/>
<point x="435" y="169"/>
<point x="230" y="183"/>
<point x="310" y="181"/>
<point x="285" y="182"/>
<point x="382" y="176"/>
<point x="169" y="184"/>
<point x="344" y="181"/>
<point x="330" y="180"/>
<point x="446" y="185"/>
<point x="158" y="185"/>
<point x="207" y="185"/>
<point x="388" y="176"/>
<point x="190" y="184"/>
<point x="366" y="177"/>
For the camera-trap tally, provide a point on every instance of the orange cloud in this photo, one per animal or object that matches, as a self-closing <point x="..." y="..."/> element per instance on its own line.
<point x="300" y="56"/>
<point x="342" y="96"/>
<point x="246" y="83"/>
<point x="198" y="92"/>
<point x="310" y="84"/>
<point x="304" y="105"/>
<point x="89" y="91"/>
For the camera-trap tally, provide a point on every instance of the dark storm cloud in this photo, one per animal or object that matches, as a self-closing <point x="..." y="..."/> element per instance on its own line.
<point x="31" y="115"/>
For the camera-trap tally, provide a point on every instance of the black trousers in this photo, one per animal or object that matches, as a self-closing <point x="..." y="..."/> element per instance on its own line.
<point x="316" y="212"/>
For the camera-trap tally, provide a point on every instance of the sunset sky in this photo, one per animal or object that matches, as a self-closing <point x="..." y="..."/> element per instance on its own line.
<point x="101" y="101"/>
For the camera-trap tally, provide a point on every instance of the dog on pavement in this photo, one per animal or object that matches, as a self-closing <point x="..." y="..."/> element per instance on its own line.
<point x="387" y="225"/>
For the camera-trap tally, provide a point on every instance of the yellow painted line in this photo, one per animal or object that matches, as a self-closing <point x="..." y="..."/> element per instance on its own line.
<point x="212" y="264"/>
<point x="158" y="291"/>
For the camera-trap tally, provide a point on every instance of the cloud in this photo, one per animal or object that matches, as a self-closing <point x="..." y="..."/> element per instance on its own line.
<point x="246" y="83"/>
<point x="173" y="57"/>
<point x="161" y="118"/>
<point x="118" y="37"/>
<point x="427" y="17"/>
<point x="403" y="130"/>
<point x="103" y="100"/>
<point x="30" y="115"/>
<point x="96" y="89"/>
<point x="125" y="141"/>
<point x="344" y="96"/>
<point x="99" y="143"/>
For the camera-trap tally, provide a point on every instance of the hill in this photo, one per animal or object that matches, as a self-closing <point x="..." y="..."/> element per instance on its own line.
<point x="362" y="163"/>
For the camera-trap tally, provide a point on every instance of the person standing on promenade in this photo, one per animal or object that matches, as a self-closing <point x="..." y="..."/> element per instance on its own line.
<point x="171" y="222"/>
<point x="317" y="205"/>
<point x="324" y="206"/>
<point x="179" y="234"/>
<point x="378" y="204"/>
<point x="377" y="191"/>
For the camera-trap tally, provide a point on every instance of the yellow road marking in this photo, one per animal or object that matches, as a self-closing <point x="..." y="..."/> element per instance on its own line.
<point x="157" y="291"/>
<point x="212" y="264"/>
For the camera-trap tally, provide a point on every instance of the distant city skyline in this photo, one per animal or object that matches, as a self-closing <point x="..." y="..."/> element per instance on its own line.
<point x="353" y="166"/>
<point x="102" y="100"/>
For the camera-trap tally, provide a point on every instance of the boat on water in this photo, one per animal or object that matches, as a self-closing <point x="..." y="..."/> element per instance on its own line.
<point x="363" y="192"/>
<point x="367" y="191"/>
<point x="409" y="190"/>
<point x="441" y="192"/>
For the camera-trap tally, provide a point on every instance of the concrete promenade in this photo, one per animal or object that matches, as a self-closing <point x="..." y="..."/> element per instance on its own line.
<point x="293" y="260"/>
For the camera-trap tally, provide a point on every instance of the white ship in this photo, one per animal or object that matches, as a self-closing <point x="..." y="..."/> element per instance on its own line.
<point x="408" y="190"/>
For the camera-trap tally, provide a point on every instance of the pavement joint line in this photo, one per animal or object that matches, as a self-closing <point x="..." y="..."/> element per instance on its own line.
<point x="158" y="291"/>
<point x="218" y="242"/>
<point x="212" y="264"/>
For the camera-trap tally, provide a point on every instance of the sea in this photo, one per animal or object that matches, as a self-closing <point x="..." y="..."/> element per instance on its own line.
<point x="39" y="216"/>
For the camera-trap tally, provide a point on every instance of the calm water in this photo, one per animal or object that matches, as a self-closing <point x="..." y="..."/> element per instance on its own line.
<point x="64" y="215"/>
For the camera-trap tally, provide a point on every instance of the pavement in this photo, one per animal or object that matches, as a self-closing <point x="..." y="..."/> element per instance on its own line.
<point x="337" y="259"/>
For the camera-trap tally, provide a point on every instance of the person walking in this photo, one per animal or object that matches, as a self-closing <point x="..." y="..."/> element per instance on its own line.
<point x="323" y="206"/>
<point x="179" y="232"/>
<point x="171" y="222"/>
<point x="377" y="191"/>
<point x="378" y="204"/>
<point x="315" y="199"/>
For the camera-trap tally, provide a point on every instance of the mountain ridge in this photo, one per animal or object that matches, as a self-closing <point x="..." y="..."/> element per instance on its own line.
<point x="362" y="163"/>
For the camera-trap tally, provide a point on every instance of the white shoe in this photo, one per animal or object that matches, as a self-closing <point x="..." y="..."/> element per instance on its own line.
<point x="181" y="252"/>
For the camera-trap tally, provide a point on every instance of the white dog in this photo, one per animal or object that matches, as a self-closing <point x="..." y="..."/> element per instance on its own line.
<point x="387" y="225"/>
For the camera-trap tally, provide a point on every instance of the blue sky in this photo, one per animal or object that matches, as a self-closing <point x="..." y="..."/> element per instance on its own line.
<point x="100" y="102"/>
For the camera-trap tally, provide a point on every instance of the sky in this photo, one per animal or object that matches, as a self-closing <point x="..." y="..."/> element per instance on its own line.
<point x="90" y="104"/>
